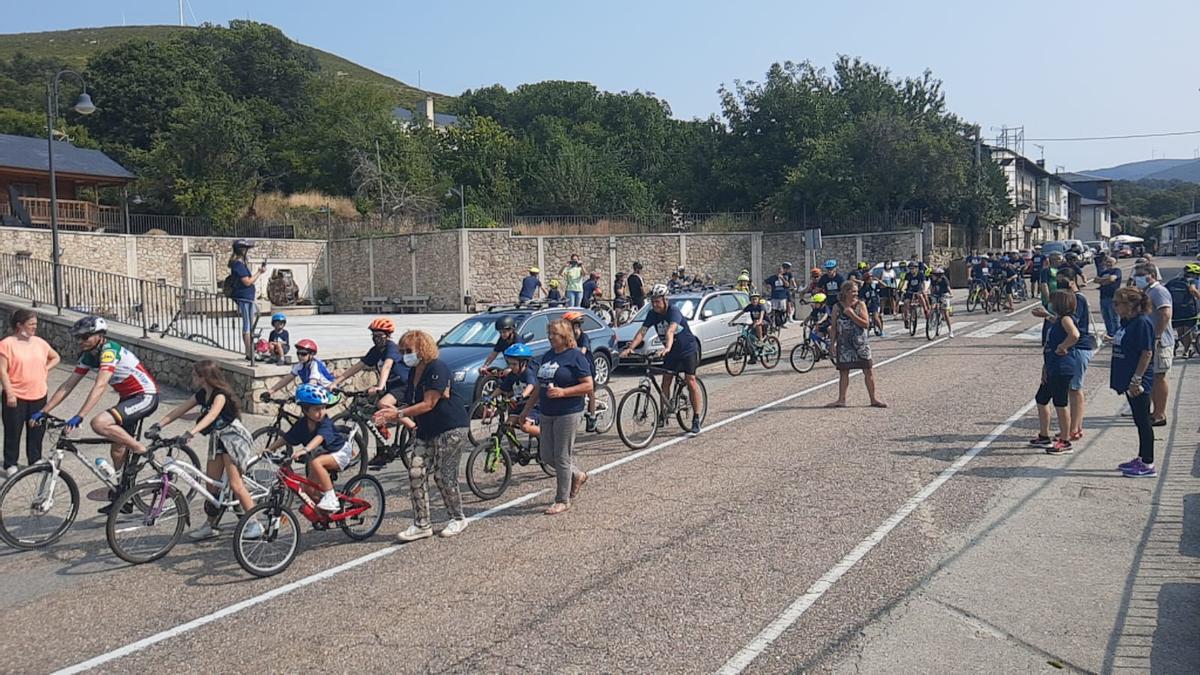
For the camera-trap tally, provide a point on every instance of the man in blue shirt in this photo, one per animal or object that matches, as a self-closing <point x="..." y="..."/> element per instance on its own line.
<point x="779" y="286"/>
<point x="589" y="289"/>
<point x="1108" y="277"/>
<point x="680" y="353"/>
<point x="531" y="286"/>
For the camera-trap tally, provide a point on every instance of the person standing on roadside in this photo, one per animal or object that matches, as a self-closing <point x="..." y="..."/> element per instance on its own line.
<point x="849" y="321"/>
<point x="1145" y="278"/>
<point x="1059" y="365"/>
<point x="242" y="282"/>
<point x="1131" y="373"/>
<point x="1085" y="349"/>
<point x="1108" y="276"/>
<point x="637" y="287"/>
<point x="573" y="275"/>
<point x="25" y="364"/>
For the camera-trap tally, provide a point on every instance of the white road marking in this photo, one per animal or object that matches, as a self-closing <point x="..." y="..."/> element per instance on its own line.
<point x="1031" y="305"/>
<point x="797" y="609"/>
<point x="992" y="328"/>
<point x="1034" y="332"/>
<point x="154" y="639"/>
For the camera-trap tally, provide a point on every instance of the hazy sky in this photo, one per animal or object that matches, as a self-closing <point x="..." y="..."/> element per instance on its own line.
<point x="1061" y="68"/>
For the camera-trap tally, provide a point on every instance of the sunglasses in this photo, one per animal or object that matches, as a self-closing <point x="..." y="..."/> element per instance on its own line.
<point x="303" y="352"/>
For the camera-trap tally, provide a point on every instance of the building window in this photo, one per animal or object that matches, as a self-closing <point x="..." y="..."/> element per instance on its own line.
<point x="25" y="189"/>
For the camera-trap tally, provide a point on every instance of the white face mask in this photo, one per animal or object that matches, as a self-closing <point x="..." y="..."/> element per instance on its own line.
<point x="411" y="360"/>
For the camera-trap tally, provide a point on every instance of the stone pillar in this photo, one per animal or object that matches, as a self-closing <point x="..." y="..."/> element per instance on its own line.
<point x="682" y="249"/>
<point x="371" y="264"/>
<point x="612" y="262"/>
<point x="756" y="262"/>
<point x="541" y="262"/>
<point x="464" y="263"/>
<point x="858" y="250"/>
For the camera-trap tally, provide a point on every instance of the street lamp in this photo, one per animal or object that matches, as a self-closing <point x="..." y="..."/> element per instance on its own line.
<point x="462" y="202"/>
<point x="83" y="106"/>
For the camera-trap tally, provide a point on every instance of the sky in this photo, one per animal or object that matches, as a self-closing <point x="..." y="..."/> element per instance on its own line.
<point x="1059" y="68"/>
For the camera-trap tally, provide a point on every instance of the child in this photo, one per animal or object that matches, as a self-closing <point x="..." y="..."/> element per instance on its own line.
<point x="384" y="356"/>
<point x="871" y="293"/>
<point x="554" y="295"/>
<point x="230" y="444"/>
<point x="758" y="314"/>
<point x="584" y="344"/>
<point x="308" y="370"/>
<point x="279" y="340"/>
<point x="519" y="374"/>
<point x="315" y="433"/>
<point x="819" y="316"/>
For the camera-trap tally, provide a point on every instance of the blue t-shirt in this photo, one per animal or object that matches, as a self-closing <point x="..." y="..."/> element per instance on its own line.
<point x="685" y="341"/>
<point x="448" y="413"/>
<point x="914" y="282"/>
<point x="979" y="271"/>
<point x="1083" y="321"/>
<point x="589" y="289"/>
<point x="281" y="335"/>
<point x="398" y="375"/>
<point x="508" y="383"/>
<point x="832" y="285"/>
<point x="302" y="433"/>
<point x="563" y="369"/>
<point x="1107" y="291"/>
<point x="529" y="285"/>
<point x="939" y="287"/>
<point x="869" y="292"/>
<point x="779" y="286"/>
<point x="1055" y="364"/>
<point x="553" y="294"/>
<point x="242" y="292"/>
<point x="756" y="311"/>
<point x="1037" y="261"/>
<point x="1134" y="337"/>
<point x="313" y="372"/>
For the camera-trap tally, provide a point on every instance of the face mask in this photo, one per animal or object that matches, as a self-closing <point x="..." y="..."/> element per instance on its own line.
<point x="411" y="360"/>
<point x="1141" y="282"/>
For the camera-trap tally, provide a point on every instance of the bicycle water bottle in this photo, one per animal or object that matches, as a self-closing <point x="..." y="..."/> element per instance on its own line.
<point x="105" y="468"/>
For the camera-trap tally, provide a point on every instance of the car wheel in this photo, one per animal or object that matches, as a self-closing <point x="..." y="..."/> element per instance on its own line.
<point x="602" y="368"/>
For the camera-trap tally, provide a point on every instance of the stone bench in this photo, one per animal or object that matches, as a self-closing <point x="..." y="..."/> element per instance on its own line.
<point x="377" y="305"/>
<point x="412" y="303"/>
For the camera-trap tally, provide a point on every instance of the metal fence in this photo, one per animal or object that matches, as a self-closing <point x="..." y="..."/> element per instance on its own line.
<point x="673" y="223"/>
<point x="158" y="309"/>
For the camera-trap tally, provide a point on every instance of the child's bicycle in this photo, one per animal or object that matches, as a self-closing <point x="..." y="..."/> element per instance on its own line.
<point x="489" y="466"/>
<point x="810" y="350"/>
<point x="390" y="443"/>
<point x="267" y="538"/>
<point x="748" y="348"/>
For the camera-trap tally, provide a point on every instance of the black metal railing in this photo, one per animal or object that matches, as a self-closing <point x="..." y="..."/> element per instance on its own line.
<point x="157" y="309"/>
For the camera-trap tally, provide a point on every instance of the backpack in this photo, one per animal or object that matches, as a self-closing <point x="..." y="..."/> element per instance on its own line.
<point x="1182" y="301"/>
<point x="228" y="286"/>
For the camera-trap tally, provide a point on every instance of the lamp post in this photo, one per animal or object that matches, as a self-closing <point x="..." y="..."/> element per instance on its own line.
<point x="462" y="203"/>
<point x="83" y="106"/>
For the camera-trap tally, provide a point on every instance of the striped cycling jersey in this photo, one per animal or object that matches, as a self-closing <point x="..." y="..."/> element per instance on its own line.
<point x="129" y="376"/>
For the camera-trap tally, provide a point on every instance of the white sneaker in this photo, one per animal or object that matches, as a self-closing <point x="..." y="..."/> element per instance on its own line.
<point x="205" y="531"/>
<point x="951" y="333"/>
<point x="414" y="533"/>
<point x="454" y="527"/>
<point x="10" y="472"/>
<point x="329" y="502"/>
<point x="253" y="530"/>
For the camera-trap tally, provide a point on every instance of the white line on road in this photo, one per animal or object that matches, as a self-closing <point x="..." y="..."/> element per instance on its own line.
<point x="1031" y="305"/>
<point x="1034" y="332"/>
<point x="992" y="328"/>
<point x="797" y="609"/>
<point x="383" y="552"/>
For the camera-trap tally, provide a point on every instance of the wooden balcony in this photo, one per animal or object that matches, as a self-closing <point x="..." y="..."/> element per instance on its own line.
<point x="72" y="214"/>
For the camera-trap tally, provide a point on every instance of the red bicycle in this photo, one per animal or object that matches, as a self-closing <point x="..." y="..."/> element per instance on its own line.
<point x="360" y="513"/>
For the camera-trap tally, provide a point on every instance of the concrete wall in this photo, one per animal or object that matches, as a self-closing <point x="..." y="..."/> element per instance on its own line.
<point x="398" y="265"/>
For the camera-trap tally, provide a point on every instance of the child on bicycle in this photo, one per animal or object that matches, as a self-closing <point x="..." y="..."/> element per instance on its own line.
<point x="819" y="317"/>
<point x="230" y="447"/>
<point x="554" y="295"/>
<point x="939" y="289"/>
<point x="520" y="375"/>
<point x="385" y="358"/>
<point x="307" y="370"/>
<point x="871" y="292"/>
<point x="758" y="314"/>
<point x="316" y="436"/>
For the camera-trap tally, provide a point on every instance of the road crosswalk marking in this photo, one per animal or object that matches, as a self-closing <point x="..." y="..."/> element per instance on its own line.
<point x="1034" y="332"/>
<point x="992" y="329"/>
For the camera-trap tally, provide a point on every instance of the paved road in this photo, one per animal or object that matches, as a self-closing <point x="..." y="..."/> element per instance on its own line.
<point x="674" y="559"/>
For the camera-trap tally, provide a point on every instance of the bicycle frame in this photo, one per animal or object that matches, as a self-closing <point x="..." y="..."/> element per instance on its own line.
<point x="200" y="482"/>
<point x="290" y="481"/>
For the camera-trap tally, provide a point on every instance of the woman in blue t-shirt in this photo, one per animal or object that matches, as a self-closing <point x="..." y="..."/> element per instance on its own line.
<point x="242" y="281"/>
<point x="1060" y="363"/>
<point x="564" y="381"/>
<point x="1131" y="374"/>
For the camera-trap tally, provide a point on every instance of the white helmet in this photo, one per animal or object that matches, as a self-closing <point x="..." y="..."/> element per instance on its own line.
<point x="659" y="291"/>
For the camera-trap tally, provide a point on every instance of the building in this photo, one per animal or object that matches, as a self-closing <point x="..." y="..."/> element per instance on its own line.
<point x="1043" y="201"/>
<point x="1180" y="236"/>
<point x="1096" y="214"/>
<point x="78" y="172"/>
<point x="435" y="120"/>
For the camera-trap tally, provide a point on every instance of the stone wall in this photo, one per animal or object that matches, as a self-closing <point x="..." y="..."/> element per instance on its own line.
<point x="721" y="255"/>
<point x="778" y="247"/>
<point x="395" y="266"/>
<point x="506" y="260"/>
<point x="658" y="253"/>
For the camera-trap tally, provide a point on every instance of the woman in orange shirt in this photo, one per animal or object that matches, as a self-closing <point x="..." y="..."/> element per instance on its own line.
<point x="25" y="363"/>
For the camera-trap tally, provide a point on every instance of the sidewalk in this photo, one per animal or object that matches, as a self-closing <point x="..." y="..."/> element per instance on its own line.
<point x="1074" y="567"/>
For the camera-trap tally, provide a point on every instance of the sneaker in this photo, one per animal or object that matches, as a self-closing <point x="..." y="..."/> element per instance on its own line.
<point x="453" y="527"/>
<point x="1060" y="447"/>
<point x="1140" y="469"/>
<point x="10" y="472"/>
<point x="590" y="423"/>
<point x="1041" y="441"/>
<point x="329" y="502"/>
<point x="253" y="530"/>
<point x="206" y="531"/>
<point x="662" y="421"/>
<point x="413" y="533"/>
<point x="1126" y="465"/>
<point x="695" y="424"/>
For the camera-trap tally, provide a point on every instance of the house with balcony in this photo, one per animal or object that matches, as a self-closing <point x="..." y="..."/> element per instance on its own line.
<point x="79" y="173"/>
<point x="1043" y="202"/>
<point x="1096" y="214"/>
<point x="1180" y="236"/>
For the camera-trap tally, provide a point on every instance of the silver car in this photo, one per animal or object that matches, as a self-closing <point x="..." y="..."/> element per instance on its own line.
<point x="708" y="314"/>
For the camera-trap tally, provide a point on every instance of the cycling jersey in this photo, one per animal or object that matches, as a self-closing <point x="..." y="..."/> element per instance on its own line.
<point x="129" y="377"/>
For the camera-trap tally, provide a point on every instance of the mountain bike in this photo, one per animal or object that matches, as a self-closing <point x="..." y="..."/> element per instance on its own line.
<point x="150" y="517"/>
<point x="976" y="296"/>
<point x="270" y="546"/>
<point x="911" y="310"/>
<point x="747" y="346"/>
<point x="390" y="443"/>
<point x="40" y="502"/>
<point x="937" y="319"/>
<point x="996" y="297"/>
<point x="1185" y="340"/>
<point x="639" y="415"/>
<point x="489" y="466"/>
<point x="808" y="351"/>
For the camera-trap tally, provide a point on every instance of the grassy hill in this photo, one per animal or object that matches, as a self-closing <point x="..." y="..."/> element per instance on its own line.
<point x="75" y="46"/>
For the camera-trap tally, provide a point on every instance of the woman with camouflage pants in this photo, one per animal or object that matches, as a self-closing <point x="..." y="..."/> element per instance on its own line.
<point x="439" y="420"/>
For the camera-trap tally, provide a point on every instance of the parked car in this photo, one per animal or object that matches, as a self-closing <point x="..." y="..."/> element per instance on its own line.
<point x="1053" y="247"/>
<point x="464" y="347"/>
<point x="708" y="314"/>
<point x="1125" y="252"/>
<point x="1097" y="247"/>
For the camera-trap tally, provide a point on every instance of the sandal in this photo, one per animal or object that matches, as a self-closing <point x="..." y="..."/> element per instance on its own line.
<point x="557" y="508"/>
<point x="879" y="404"/>
<point x="1076" y="435"/>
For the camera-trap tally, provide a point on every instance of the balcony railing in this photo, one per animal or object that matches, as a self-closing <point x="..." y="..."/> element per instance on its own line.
<point x="72" y="213"/>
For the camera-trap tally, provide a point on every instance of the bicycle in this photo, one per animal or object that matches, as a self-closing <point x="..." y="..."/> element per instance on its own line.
<point x="976" y="296"/>
<point x="615" y="313"/>
<point x="808" y="351"/>
<point x="392" y="443"/>
<point x="489" y="466"/>
<point x="640" y="405"/>
<point x="937" y="318"/>
<point x="765" y="351"/>
<point x="274" y="548"/>
<point x="1187" y="335"/>
<point x="912" y="306"/>
<point x="150" y="517"/>
<point x="28" y="515"/>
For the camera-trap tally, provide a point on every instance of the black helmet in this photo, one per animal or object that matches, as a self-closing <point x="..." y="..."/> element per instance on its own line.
<point x="89" y="325"/>
<point x="506" y="323"/>
<point x="242" y="244"/>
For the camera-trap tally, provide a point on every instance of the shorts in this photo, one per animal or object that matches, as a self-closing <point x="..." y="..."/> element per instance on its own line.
<point x="534" y="417"/>
<point x="1163" y="359"/>
<point x="779" y="304"/>
<point x="248" y="310"/>
<point x="684" y="364"/>
<point x="1085" y="357"/>
<point x="347" y="454"/>
<point x="873" y="307"/>
<point x="129" y="411"/>
<point x="234" y="440"/>
<point x="1055" y="388"/>
<point x="942" y="300"/>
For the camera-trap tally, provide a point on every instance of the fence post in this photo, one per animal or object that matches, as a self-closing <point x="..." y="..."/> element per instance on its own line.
<point x="144" y="309"/>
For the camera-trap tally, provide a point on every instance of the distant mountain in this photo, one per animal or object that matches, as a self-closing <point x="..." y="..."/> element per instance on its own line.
<point x="1153" y="169"/>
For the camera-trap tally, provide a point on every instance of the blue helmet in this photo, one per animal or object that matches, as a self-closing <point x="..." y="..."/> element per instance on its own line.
<point x="279" y="316"/>
<point x="830" y="264"/>
<point x="519" y="350"/>
<point x="311" y="394"/>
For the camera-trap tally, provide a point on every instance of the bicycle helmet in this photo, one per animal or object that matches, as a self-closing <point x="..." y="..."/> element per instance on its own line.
<point x="985" y="257"/>
<point x="818" y="298"/>
<point x="743" y="277"/>
<point x="1072" y="255"/>
<point x="1192" y="268"/>
<point x="659" y="291"/>
<point x="242" y="244"/>
<point x="573" y="317"/>
<point x="535" y="270"/>
<point x="519" y="350"/>
<point x="830" y="264"/>
<point x="278" y="316"/>
<point x="815" y="272"/>
<point x="554" y="283"/>
<point x="89" y="325"/>
<point x="383" y="325"/>
<point x="786" y="265"/>
<point x="307" y="345"/>
<point x="311" y="394"/>
<point x="862" y="265"/>
<point x="506" y="323"/>
<point x="755" y="294"/>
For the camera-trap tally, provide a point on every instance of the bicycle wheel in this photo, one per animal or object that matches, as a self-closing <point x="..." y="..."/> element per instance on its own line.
<point x="604" y="312"/>
<point x="489" y="469"/>
<point x="275" y="549"/>
<point x="155" y="521"/>
<point x="404" y="447"/>
<point x="972" y="300"/>
<point x="803" y="357"/>
<point x="34" y="511"/>
<point x="637" y="418"/>
<point x="485" y="387"/>
<point x="683" y="405"/>
<point x="365" y="524"/>
<point x="912" y="318"/>
<point x="735" y="357"/>
<point x="184" y="454"/>
<point x="931" y="323"/>
<point x="606" y="409"/>
<point x="484" y="420"/>
<point x="771" y="351"/>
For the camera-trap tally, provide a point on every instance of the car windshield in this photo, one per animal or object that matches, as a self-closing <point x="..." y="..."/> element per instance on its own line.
<point x="478" y="331"/>
<point x="686" y="307"/>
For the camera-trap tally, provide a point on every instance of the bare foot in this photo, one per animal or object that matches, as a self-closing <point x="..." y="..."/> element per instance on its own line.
<point x="836" y="404"/>
<point x="577" y="482"/>
<point x="557" y="508"/>
<point x="878" y="404"/>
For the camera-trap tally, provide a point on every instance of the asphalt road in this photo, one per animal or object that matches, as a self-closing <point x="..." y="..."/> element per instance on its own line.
<point x="672" y="560"/>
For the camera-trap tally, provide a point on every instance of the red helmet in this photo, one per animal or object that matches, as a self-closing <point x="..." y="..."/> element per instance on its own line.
<point x="307" y="344"/>
<point x="383" y="325"/>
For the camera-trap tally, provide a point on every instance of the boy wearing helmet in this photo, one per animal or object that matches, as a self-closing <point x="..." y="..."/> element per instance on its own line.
<point x="279" y="341"/>
<point x="818" y="318"/>
<point x="307" y="370"/>
<point x="385" y="358"/>
<point x="531" y="286"/>
<point x="315" y="435"/>
<point x="554" y="295"/>
<point x="758" y="318"/>
<point x="939" y="288"/>
<point x="779" y="286"/>
<point x="506" y="331"/>
<point x="584" y="344"/>
<point x="870" y="292"/>
<point x="743" y="284"/>
<point x="680" y="352"/>
<point x="518" y="383"/>
<point x="832" y="280"/>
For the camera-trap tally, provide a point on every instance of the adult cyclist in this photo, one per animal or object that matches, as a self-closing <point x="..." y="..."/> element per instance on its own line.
<point x="119" y="368"/>
<point x="681" y="349"/>
<point x="780" y="288"/>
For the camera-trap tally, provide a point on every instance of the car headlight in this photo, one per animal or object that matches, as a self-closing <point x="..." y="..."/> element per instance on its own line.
<point x="460" y="375"/>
